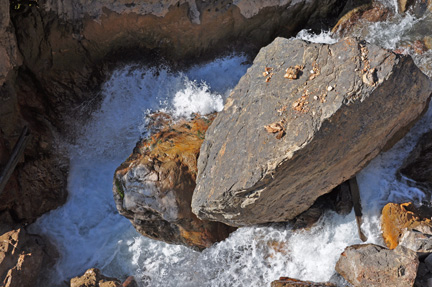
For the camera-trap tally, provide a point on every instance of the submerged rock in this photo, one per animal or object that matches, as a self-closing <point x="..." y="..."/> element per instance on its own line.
<point x="290" y="282"/>
<point x="281" y="143"/>
<point x="153" y="187"/>
<point x="397" y="218"/>
<point x="370" y="265"/>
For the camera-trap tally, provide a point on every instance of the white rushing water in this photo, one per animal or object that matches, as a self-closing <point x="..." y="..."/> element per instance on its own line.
<point x="89" y="232"/>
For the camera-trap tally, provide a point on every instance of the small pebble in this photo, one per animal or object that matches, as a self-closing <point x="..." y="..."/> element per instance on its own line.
<point x="329" y="88"/>
<point x="315" y="98"/>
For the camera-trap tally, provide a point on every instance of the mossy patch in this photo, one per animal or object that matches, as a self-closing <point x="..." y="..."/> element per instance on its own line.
<point x="119" y="187"/>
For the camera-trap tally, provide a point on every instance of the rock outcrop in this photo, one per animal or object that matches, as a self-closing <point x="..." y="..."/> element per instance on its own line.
<point x="304" y="118"/>
<point x="398" y="218"/>
<point x="418" y="164"/>
<point x="153" y="187"/>
<point x="370" y="265"/>
<point x="94" y="278"/>
<point x="22" y="257"/>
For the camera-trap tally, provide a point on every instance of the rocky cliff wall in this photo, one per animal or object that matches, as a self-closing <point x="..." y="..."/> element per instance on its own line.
<point x="54" y="57"/>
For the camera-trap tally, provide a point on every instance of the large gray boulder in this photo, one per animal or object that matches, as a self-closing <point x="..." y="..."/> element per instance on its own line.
<point x="304" y="118"/>
<point x="371" y="265"/>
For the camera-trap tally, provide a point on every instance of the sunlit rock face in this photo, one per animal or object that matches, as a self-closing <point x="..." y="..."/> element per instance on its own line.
<point x="304" y="118"/>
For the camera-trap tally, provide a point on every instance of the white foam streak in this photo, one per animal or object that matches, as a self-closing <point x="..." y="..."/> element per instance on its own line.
<point x="325" y="37"/>
<point x="196" y="98"/>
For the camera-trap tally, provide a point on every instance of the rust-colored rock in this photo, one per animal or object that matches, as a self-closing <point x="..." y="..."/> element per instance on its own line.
<point x="291" y="282"/>
<point x="396" y="218"/>
<point x="153" y="187"/>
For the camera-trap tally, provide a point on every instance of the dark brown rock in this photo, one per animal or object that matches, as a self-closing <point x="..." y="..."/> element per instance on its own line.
<point x="290" y="282"/>
<point x="371" y="265"/>
<point x="22" y="257"/>
<point x="153" y="187"/>
<point x="338" y="200"/>
<point x="333" y="123"/>
<point x="418" y="164"/>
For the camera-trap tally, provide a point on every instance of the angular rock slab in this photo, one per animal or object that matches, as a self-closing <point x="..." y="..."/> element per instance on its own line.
<point x="321" y="128"/>
<point x="372" y="265"/>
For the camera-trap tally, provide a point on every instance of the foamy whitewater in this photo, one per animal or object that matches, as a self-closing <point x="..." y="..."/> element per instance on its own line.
<point x="89" y="232"/>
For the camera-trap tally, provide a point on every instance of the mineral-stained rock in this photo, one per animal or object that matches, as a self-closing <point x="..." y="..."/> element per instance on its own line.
<point x="418" y="164"/>
<point x="397" y="218"/>
<point x="371" y="265"/>
<point x="290" y="282"/>
<point x="153" y="187"/>
<point x="21" y="258"/>
<point x="334" y="124"/>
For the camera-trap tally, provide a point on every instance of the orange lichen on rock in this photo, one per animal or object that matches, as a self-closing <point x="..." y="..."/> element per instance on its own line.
<point x="396" y="218"/>
<point x="293" y="73"/>
<point x="177" y="142"/>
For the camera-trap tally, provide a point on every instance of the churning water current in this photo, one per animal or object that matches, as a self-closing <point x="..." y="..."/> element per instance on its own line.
<point x="89" y="232"/>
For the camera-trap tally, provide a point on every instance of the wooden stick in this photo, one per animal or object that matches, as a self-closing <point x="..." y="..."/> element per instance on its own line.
<point x="18" y="150"/>
<point x="355" y="195"/>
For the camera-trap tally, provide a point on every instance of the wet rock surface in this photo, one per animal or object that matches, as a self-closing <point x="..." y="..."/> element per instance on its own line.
<point x="153" y="187"/>
<point x="290" y="282"/>
<point x="418" y="164"/>
<point x="373" y="265"/>
<point x="281" y="143"/>
<point x="355" y="18"/>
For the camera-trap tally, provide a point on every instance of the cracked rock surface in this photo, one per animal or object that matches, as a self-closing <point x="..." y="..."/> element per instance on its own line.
<point x="281" y="143"/>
